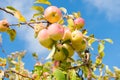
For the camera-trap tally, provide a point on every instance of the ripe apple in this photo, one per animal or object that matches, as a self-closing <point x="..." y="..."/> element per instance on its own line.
<point x="4" y="25"/>
<point x="69" y="49"/>
<point x="52" y="14"/>
<point x="59" y="54"/>
<point x="67" y="34"/>
<point x="56" y="31"/>
<point x="77" y="39"/>
<point x="45" y="39"/>
<point x="79" y="23"/>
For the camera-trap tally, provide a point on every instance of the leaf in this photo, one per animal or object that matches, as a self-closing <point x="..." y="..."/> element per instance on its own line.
<point x="98" y="61"/>
<point x="19" y="16"/>
<point x="102" y="54"/>
<point x="61" y="21"/>
<point x="35" y="55"/>
<point x="36" y="15"/>
<point x="16" y="13"/>
<point x="90" y="41"/>
<point x="70" y="24"/>
<point x="12" y="34"/>
<point x="63" y="9"/>
<point x="84" y="31"/>
<point x="72" y="74"/>
<point x="2" y="62"/>
<point x="65" y="52"/>
<point x="59" y="75"/>
<point x="38" y="8"/>
<point x="109" y="40"/>
<point x="100" y="47"/>
<point x="51" y="53"/>
<point x="108" y="71"/>
<point x="10" y="9"/>
<point x="77" y="14"/>
<point x="117" y="71"/>
<point x="43" y="2"/>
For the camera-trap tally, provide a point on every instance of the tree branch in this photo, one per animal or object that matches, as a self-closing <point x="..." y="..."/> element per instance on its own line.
<point x="18" y="74"/>
<point x="6" y="11"/>
<point x="28" y="23"/>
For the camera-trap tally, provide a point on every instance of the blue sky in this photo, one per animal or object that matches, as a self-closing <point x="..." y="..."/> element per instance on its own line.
<point x="102" y="18"/>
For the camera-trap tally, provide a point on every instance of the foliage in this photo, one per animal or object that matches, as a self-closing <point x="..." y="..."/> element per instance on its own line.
<point x="69" y="37"/>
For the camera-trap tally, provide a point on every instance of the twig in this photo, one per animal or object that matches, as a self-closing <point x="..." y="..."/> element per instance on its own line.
<point x="28" y="23"/>
<point x="75" y="67"/>
<point x="18" y="74"/>
<point x="6" y="11"/>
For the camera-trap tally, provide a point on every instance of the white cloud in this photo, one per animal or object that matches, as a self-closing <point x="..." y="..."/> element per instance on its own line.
<point x="110" y="7"/>
<point x="24" y="33"/>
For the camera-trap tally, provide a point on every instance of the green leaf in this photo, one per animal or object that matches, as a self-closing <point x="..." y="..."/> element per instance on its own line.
<point x="72" y="74"/>
<point x="61" y="21"/>
<point x="36" y="15"/>
<point x="10" y="9"/>
<point x="63" y="9"/>
<point x="65" y="52"/>
<point x="43" y="2"/>
<point x="100" y="47"/>
<point x="51" y="53"/>
<point x="12" y="34"/>
<point x="59" y="75"/>
<point x="19" y="16"/>
<point x="117" y="71"/>
<point x="109" y="40"/>
<point x="98" y="61"/>
<point x="70" y="24"/>
<point x="38" y="8"/>
<point x="35" y="55"/>
<point x="77" y="14"/>
<point x="90" y="41"/>
<point x="108" y="71"/>
<point x="102" y="54"/>
<point x="16" y="13"/>
<point x="84" y="31"/>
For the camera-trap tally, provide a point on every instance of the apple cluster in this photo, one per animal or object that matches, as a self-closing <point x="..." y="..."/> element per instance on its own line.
<point x="65" y="40"/>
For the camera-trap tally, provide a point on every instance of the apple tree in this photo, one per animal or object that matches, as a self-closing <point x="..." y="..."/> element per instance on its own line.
<point x="64" y="35"/>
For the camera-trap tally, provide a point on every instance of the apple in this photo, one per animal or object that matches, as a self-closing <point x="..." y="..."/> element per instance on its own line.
<point x="56" y="31"/>
<point x="77" y="40"/>
<point x="67" y="34"/>
<point x="52" y="14"/>
<point x="45" y="39"/>
<point x="4" y="25"/>
<point x="59" y="54"/>
<point x="69" y="49"/>
<point x="79" y="23"/>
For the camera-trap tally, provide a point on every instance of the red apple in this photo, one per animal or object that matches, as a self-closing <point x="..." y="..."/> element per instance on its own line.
<point x="45" y="39"/>
<point x="4" y="25"/>
<point x="56" y="31"/>
<point x="79" y="23"/>
<point x="52" y="14"/>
